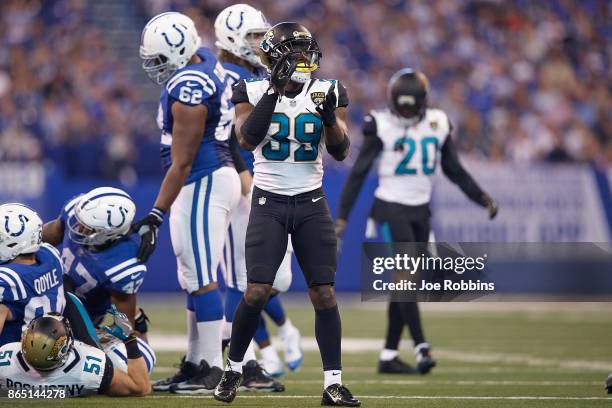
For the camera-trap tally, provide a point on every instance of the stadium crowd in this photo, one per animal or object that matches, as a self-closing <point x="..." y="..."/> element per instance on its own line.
<point x="522" y="81"/>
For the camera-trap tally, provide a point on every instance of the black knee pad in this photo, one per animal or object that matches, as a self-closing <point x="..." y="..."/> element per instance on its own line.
<point x="257" y="295"/>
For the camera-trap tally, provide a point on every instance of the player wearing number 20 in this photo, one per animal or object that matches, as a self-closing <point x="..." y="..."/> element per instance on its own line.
<point x="30" y="272"/>
<point x="409" y="137"/>
<point x="286" y="121"/>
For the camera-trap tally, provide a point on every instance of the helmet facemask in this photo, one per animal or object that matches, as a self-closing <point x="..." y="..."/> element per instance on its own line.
<point x="82" y="234"/>
<point x="251" y="52"/>
<point x="157" y="67"/>
<point x="304" y="51"/>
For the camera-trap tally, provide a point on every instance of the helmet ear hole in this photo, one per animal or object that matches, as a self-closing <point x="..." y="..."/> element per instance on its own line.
<point x="182" y="51"/>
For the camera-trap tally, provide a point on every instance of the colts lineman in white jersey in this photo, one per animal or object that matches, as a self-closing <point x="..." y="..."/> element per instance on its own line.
<point x="286" y="120"/>
<point x="408" y="137"/>
<point x="49" y="358"/>
<point x="201" y="184"/>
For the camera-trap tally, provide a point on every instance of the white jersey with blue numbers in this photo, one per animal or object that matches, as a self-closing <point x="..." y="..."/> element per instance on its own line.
<point x="97" y="273"/>
<point x="410" y="156"/>
<point x="199" y="84"/>
<point x="29" y="291"/>
<point x="81" y="375"/>
<point x="289" y="160"/>
<point x="237" y="73"/>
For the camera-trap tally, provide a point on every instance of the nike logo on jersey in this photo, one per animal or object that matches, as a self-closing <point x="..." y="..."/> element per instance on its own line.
<point x="314" y="200"/>
<point x="191" y="84"/>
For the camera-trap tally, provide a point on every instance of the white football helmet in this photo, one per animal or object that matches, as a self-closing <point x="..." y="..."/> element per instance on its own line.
<point x="102" y="215"/>
<point x="168" y="42"/>
<point x="20" y="231"/>
<point x="239" y="30"/>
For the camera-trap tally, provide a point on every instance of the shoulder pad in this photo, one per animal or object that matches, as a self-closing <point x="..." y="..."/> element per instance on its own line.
<point x="191" y="87"/>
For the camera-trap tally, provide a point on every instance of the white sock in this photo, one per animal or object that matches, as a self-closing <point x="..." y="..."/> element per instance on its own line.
<point x="234" y="366"/>
<point x="284" y="329"/>
<point x="332" y="377"/>
<point x="227" y="330"/>
<point x="249" y="354"/>
<point x="270" y="353"/>
<point x="210" y="342"/>
<point x="387" y="354"/>
<point x="193" y="340"/>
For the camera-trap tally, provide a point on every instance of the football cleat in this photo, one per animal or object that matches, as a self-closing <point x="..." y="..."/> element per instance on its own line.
<point x="228" y="386"/>
<point x="293" y="348"/>
<point x="424" y="360"/>
<point x="203" y="383"/>
<point x="609" y="384"/>
<point x="395" y="366"/>
<point x="255" y="378"/>
<point x="271" y="362"/>
<point x="340" y="396"/>
<point x="186" y="371"/>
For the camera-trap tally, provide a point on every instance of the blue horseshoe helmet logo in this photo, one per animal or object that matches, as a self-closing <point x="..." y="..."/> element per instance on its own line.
<point x="22" y="218"/>
<point x="227" y="24"/>
<point x="180" y="42"/>
<point x="122" y="211"/>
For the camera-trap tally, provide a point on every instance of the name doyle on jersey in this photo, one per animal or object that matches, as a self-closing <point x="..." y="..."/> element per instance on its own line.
<point x="46" y="282"/>
<point x="74" y="390"/>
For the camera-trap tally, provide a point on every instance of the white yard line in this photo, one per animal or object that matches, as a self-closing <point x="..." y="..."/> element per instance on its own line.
<point x="389" y="397"/>
<point x="178" y="343"/>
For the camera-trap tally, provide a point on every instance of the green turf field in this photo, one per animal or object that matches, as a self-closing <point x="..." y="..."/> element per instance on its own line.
<point x="537" y="355"/>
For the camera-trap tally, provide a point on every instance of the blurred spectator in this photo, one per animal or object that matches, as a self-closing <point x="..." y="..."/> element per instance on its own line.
<point x="521" y="80"/>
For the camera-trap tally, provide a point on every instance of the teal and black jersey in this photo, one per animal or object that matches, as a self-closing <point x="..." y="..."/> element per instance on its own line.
<point x="199" y="84"/>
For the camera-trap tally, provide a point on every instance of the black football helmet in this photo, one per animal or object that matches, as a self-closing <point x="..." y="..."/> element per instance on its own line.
<point x="291" y="42"/>
<point x="407" y="93"/>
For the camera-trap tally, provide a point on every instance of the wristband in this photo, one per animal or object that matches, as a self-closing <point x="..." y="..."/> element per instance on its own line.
<point x="131" y="347"/>
<point x="140" y="322"/>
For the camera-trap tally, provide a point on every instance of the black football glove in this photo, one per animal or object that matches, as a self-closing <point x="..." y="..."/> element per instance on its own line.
<point x="281" y="75"/>
<point x="326" y="109"/>
<point x="491" y="206"/>
<point x="148" y="228"/>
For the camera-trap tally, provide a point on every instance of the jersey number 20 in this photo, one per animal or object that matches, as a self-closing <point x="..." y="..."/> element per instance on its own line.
<point x="307" y="129"/>
<point x="428" y="159"/>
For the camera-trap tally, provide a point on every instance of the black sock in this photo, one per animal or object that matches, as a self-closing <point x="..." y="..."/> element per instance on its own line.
<point x="328" y="331"/>
<point x="412" y="318"/>
<point x="395" y="326"/>
<point x="244" y="325"/>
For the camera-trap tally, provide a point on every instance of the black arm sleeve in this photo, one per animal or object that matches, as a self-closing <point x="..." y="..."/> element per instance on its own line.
<point x="453" y="169"/>
<point x="257" y="124"/>
<point x="107" y="378"/>
<point x="343" y="99"/>
<point x="372" y="146"/>
<point x="235" y="152"/>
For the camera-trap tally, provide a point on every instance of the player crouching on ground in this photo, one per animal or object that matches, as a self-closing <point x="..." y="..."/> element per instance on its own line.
<point x="30" y="272"/>
<point x="99" y="256"/>
<point x="48" y="357"/>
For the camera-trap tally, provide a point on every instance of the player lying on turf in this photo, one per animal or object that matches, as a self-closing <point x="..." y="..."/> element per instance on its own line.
<point x="201" y="186"/>
<point x="30" y="272"/>
<point x="408" y="136"/>
<point x="239" y="30"/>
<point x="286" y="121"/>
<point x="49" y="357"/>
<point x="98" y="253"/>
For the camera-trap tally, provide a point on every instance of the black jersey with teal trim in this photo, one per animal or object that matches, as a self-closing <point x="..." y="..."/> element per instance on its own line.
<point x="199" y="84"/>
